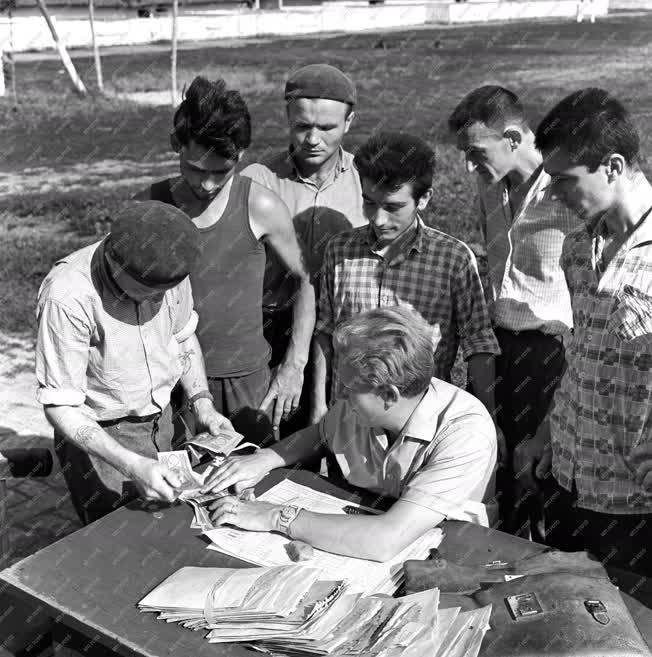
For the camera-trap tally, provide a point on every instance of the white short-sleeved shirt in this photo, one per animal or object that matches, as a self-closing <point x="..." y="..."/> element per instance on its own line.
<point x="443" y="458"/>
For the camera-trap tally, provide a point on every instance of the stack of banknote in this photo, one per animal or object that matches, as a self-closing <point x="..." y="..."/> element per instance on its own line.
<point x="191" y="484"/>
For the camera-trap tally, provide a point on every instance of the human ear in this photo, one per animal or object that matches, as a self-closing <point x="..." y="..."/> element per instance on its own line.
<point x="175" y="143"/>
<point x="390" y="395"/>
<point x="425" y="199"/>
<point x="615" y="166"/>
<point x="514" y="137"/>
<point x="349" y="119"/>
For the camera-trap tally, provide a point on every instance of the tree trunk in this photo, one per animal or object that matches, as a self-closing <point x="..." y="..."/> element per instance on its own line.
<point x="96" y="49"/>
<point x="175" y="15"/>
<point x="63" y="53"/>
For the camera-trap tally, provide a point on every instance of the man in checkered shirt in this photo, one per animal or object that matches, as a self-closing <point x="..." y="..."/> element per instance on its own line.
<point x="600" y="427"/>
<point x="397" y="260"/>
<point x="524" y="229"/>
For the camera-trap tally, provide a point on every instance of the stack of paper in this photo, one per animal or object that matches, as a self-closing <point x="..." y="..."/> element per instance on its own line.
<point x="199" y="598"/>
<point x="288" y="611"/>
<point x="266" y="549"/>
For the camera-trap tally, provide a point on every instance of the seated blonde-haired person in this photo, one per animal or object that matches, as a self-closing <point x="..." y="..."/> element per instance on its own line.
<point x="397" y="432"/>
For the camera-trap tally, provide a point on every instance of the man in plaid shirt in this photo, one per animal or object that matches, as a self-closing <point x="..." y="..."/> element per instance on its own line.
<point x="397" y="260"/>
<point x="600" y="426"/>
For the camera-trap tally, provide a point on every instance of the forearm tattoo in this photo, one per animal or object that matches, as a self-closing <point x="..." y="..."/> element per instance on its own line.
<point x="186" y="362"/>
<point x="85" y="434"/>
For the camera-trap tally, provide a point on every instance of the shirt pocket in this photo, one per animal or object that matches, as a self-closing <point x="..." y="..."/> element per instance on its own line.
<point x="632" y="317"/>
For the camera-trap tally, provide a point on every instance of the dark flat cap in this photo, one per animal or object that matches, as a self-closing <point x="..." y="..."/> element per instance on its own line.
<point x="156" y="243"/>
<point x="321" y="81"/>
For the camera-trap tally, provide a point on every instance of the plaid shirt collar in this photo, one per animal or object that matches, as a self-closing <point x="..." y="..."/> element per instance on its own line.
<point x="410" y="240"/>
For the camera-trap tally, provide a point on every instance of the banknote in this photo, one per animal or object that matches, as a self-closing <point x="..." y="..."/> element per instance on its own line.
<point x="201" y="519"/>
<point x="222" y="443"/>
<point x="179" y="463"/>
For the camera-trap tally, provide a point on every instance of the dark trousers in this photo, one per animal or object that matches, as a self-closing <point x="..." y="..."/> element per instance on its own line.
<point x="97" y="488"/>
<point x="235" y="397"/>
<point x="618" y="540"/>
<point x="238" y="398"/>
<point x="528" y="372"/>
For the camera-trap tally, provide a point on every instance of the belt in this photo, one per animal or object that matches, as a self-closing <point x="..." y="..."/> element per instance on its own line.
<point x="132" y="419"/>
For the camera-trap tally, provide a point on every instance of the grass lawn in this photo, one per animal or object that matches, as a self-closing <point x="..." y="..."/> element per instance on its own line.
<point x="410" y="81"/>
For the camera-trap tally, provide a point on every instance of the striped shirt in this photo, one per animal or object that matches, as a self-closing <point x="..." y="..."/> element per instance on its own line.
<point x="99" y="349"/>
<point x="433" y="273"/>
<point x="528" y="288"/>
<point x="603" y="407"/>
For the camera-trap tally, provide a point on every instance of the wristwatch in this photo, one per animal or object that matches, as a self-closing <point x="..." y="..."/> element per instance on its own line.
<point x="286" y="517"/>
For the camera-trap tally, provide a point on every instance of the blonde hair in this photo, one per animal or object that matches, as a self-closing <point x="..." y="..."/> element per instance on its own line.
<point x="387" y="346"/>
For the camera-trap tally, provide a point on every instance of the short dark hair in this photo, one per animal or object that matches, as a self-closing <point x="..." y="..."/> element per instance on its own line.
<point x="392" y="159"/>
<point x="214" y="117"/>
<point x="589" y="125"/>
<point x="490" y="105"/>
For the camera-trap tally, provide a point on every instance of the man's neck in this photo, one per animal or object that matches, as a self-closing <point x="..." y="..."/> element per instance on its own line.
<point x="401" y="413"/>
<point x="527" y="163"/>
<point x="211" y="210"/>
<point x="317" y="175"/>
<point x="632" y="202"/>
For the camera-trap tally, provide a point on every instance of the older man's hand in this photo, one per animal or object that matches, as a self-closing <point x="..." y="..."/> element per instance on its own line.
<point x="208" y="419"/>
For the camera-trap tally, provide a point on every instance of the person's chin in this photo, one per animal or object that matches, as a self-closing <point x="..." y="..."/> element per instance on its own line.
<point x="314" y="158"/>
<point x="384" y="239"/>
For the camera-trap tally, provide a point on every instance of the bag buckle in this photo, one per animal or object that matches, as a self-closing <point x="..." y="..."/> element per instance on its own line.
<point x="598" y="610"/>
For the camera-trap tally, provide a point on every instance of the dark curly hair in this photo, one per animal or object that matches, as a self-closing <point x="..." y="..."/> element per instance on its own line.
<point x="391" y="159"/>
<point x="214" y="117"/>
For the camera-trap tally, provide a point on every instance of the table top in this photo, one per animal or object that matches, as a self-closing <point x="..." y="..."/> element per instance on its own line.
<point x="92" y="579"/>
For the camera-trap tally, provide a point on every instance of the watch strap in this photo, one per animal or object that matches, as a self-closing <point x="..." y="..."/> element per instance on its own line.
<point x="204" y="394"/>
<point x="286" y="517"/>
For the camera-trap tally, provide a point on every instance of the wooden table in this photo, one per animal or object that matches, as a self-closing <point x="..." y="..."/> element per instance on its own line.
<point x="90" y="581"/>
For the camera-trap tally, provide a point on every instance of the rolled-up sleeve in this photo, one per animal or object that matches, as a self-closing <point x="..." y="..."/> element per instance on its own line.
<point x="325" y="315"/>
<point x="62" y="348"/>
<point x="459" y="468"/>
<point x="185" y="318"/>
<point x="474" y="325"/>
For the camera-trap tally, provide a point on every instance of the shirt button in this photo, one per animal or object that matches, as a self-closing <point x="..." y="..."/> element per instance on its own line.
<point x="589" y="337"/>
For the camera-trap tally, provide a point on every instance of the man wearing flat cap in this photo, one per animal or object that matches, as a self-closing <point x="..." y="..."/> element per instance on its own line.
<point x="316" y="178"/>
<point x="116" y="333"/>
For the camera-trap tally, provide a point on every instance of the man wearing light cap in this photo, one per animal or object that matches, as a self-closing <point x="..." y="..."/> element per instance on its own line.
<point x="116" y="333"/>
<point x="316" y="179"/>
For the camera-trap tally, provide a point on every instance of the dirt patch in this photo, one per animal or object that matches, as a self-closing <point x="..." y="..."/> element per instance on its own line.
<point x="38" y="510"/>
<point x="85" y="175"/>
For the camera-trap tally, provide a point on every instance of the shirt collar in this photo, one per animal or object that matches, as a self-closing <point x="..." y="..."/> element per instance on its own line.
<point x="410" y="240"/>
<point x="423" y="422"/>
